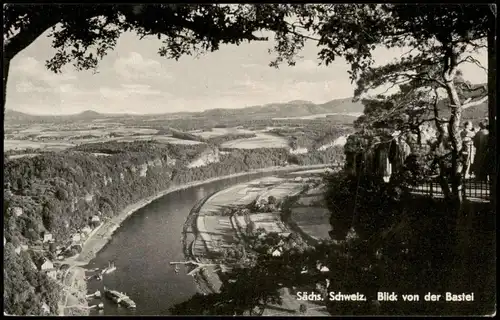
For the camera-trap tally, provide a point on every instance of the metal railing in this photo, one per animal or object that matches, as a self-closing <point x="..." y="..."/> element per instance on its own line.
<point x="472" y="189"/>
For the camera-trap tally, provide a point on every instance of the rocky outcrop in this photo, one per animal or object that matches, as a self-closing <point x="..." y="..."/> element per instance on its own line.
<point x="211" y="155"/>
<point x="340" y="141"/>
<point x="89" y="197"/>
<point x="17" y="211"/>
<point x="298" y="150"/>
<point x="143" y="170"/>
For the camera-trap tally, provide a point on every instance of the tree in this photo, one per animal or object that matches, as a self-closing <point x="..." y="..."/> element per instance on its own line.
<point x="417" y="112"/>
<point x="84" y="34"/>
<point x="440" y="39"/>
<point x="492" y="98"/>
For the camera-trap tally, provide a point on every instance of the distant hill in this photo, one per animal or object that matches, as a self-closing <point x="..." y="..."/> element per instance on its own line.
<point x="16" y="116"/>
<point x="295" y="108"/>
<point x="87" y="114"/>
<point x="273" y="110"/>
<point x="475" y="113"/>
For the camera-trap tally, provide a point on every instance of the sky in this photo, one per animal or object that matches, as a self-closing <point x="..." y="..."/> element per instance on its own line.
<point x="135" y="79"/>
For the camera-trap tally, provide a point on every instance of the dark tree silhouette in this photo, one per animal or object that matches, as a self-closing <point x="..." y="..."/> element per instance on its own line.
<point x="83" y="34"/>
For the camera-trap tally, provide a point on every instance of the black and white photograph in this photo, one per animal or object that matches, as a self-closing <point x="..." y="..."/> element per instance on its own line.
<point x="249" y="159"/>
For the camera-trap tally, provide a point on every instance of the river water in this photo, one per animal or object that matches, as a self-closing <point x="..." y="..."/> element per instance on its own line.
<point x="143" y="247"/>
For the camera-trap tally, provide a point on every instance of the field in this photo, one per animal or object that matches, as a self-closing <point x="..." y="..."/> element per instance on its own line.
<point x="312" y="220"/>
<point x="240" y="194"/>
<point x="322" y="115"/>
<point x="216" y="132"/>
<point x="12" y="144"/>
<point x="271" y="222"/>
<point x="54" y="137"/>
<point x="315" y="171"/>
<point x="215" y="229"/>
<point x="17" y="156"/>
<point x="59" y="133"/>
<point x="162" y="139"/>
<point x="262" y="140"/>
<point x="282" y="190"/>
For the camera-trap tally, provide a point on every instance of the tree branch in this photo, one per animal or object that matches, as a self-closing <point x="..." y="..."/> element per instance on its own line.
<point x="299" y="34"/>
<point x="475" y="103"/>
<point x="472" y="60"/>
<point x="28" y="35"/>
<point x="468" y="86"/>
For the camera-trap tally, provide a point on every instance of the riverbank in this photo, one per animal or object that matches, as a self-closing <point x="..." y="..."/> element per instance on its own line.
<point x="189" y="237"/>
<point x="96" y="241"/>
<point x="209" y="230"/>
<point x="74" y="302"/>
<point x="100" y="236"/>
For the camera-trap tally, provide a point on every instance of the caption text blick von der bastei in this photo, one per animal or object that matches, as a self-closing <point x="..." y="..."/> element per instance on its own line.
<point x="386" y="296"/>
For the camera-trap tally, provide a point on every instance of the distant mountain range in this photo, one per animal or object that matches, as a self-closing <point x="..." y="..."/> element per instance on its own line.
<point x="294" y="108"/>
<point x="345" y="108"/>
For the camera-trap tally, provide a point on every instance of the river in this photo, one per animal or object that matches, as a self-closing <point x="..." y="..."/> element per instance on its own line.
<point x="145" y="244"/>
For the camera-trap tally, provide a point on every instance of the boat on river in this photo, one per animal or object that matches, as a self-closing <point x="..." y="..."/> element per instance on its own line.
<point x="119" y="298"/>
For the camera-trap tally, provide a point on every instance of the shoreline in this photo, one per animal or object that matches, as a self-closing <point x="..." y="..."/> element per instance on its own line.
<point x="209" y="280"/>
<point x="101" y="235"/>
<point x="190" y="231"/>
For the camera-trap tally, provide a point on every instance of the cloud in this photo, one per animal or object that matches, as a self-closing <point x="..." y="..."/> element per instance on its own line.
<point x="247" y="86"/>
<point x="307" y="65"/>
<point x="29" y="86"/>
<point x="141" y="89"/>
<point x="317" y="91"/>
<point x="250" y="65"/>
<point x="29" y="68"/>
<point x="69" y="88"/>
<point x="135" y="67"/>
<point x="26" y="86"/>
<point x="130" y="90"/>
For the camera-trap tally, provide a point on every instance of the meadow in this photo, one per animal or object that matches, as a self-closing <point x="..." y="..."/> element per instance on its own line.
<point x="262" y="140"/>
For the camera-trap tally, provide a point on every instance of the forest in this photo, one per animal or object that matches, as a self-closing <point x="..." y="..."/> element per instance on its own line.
<point x="59" y="193"/>
<point x="313" y="134"/>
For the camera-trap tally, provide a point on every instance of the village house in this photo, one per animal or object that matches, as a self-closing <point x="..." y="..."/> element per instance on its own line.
<point x="96" y="218"/>
<point x="18" y="211"/>
<point x="46" y="266"/>
<point x="87" y="230"/>
<point x="24" y="247"/>
<point x="45" y="308"/>
<point x="276" y="252"/>
<point x="18" y="250"/>
<point x="52" y="273"/>
<point x="76" y="237"/>
<point x="33" y="265"/>
<point x="47" y="237"/>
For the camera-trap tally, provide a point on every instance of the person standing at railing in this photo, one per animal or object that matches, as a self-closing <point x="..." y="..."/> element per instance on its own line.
<point x="399" y="150"/>
<point x="480" y="142"/>
<point x="468" y="150"/>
